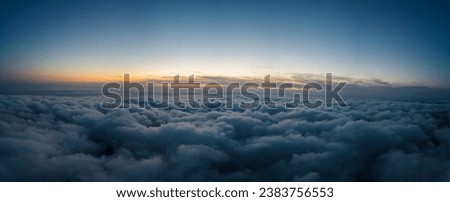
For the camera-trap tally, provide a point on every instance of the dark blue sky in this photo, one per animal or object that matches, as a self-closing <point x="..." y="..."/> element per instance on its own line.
<point x="401" y="42"/>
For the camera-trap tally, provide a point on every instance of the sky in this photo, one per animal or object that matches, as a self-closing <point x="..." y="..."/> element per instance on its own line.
<point x="56" y="55"/>
<point x="398" y="42"/>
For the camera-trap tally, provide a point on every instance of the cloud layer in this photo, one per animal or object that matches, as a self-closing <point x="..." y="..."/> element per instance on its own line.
<point x="45" y="138"/>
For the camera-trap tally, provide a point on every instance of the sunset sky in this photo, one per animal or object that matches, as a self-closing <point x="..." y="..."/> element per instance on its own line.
<point x="68" y="115"/>
<point x="81" y="41"/>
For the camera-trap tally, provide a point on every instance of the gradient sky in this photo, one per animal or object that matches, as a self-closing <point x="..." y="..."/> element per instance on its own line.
<point x="401" y="42"/>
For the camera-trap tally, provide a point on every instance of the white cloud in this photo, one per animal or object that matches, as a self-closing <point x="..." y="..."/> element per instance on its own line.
<point x="72" y="139"/>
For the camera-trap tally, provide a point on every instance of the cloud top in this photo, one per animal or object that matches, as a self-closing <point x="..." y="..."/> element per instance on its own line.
<point x="45" y="138"/>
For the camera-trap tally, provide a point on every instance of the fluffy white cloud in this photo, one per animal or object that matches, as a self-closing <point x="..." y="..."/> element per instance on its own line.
<point x="45" y="138"/>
